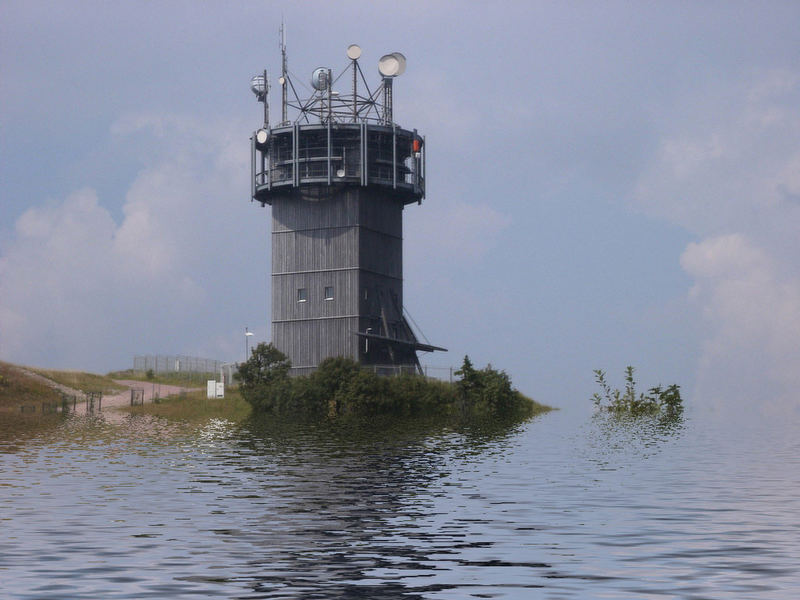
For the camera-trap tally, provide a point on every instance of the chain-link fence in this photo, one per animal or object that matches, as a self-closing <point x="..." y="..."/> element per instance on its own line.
<point x="189" y="368"/>
<point x="161" y="364"/>
<point x="194" y="369"/>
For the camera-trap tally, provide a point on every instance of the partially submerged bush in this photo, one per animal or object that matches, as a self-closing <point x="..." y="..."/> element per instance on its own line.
<point x="657" y="400"/>
<point x="341" y="387"/>
<point x="489" y="390"/>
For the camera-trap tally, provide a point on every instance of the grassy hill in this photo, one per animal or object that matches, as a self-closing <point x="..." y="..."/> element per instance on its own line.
<point x="79" y="380"/>
<point x="17" y="388"/>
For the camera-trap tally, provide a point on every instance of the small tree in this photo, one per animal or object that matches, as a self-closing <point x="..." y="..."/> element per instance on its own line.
<point x="263" y="373"/>
<point x="470" y="379"/>
<point x="496" y="390"/>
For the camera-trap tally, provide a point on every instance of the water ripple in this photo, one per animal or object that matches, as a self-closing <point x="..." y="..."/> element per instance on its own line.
<point x="559" y="507"/>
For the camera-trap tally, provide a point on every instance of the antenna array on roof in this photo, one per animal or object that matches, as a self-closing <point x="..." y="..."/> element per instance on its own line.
<point x="326" y="105"/>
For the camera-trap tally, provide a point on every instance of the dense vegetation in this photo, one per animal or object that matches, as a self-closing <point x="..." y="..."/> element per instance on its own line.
<point x="657" y="400"/>
<point x="340" y="387"/>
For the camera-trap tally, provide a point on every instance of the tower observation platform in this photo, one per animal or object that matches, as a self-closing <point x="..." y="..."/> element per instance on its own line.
<point x="337" y="172"/>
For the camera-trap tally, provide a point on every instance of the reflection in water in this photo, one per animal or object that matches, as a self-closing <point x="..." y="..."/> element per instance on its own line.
<point x="16" y="430"/>
<point x="358" y="490"/>
<point x="641" y="434"/>
<point x="557" y="507"/>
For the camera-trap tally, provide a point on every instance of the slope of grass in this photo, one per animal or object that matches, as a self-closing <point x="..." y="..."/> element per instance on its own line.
<point x="17" y="389"/>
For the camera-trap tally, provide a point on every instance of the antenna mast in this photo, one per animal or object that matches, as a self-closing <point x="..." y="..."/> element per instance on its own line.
<point x="353" y="53"/>
<point x="390" y="66"/>
<point x="284" y="115"/>
<point x="266" y="100"/>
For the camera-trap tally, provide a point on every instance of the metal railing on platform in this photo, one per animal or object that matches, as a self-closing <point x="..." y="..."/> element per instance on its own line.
<point x="440" y="373"/>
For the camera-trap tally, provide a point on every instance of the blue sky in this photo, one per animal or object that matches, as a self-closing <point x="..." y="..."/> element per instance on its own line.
<point x="608" y="184"/>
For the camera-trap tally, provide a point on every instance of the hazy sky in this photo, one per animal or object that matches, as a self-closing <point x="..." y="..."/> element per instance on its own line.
<point x="608" y="183"/>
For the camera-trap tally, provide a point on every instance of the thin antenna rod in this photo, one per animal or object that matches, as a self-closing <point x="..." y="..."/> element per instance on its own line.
<point x="330" y="97"/>
<point x="266" y="100"/>
<point x="284" y="110"/>
<point x="355" y="90"/>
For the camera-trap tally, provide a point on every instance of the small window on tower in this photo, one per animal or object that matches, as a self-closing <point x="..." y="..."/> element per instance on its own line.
<point x="329" y="292"/>
<point x="302" y="295"/>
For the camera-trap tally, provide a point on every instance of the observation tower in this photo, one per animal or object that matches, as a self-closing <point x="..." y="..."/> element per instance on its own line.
<point x="338" y="172"/>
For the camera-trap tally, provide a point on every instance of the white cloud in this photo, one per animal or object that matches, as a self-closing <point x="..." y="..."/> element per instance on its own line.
<point x="752" y="350"/>
<point x="52" y="276"/>
<point x="78" y="289"/>
<point x="730" y="161"/>
<point x="731" y="174"/>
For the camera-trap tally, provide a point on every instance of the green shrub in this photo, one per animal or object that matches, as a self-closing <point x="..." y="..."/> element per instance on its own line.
<point x="341" y="387"/>
<point x="657" y="400"/>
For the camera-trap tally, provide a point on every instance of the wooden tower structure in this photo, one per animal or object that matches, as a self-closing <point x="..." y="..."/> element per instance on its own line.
<point x="337" y="172"/>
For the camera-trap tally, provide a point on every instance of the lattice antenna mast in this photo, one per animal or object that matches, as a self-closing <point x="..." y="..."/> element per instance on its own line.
<point x="353" y="53"/>
<point x="390" y="66"/>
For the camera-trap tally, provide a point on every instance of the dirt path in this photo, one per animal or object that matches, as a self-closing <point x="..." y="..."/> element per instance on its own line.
<point x="151" y="390"/>
<point x="122" y="398"/>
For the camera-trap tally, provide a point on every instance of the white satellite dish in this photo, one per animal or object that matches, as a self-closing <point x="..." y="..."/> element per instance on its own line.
<point x="259" y="85"/>
<point x="340" y="172"/>
<point x="261" y="136"/>
<point x="392" y="65"/>
<point x="319" y="79"/>
<point x="353" y="51"/>
<point x="402" y="61"/>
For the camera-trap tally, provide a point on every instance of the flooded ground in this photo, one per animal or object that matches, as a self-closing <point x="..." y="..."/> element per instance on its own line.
<point x="563" y="506"/>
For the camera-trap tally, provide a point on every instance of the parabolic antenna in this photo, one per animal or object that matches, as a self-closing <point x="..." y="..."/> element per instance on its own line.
<point x="258" y="85"/>
<point x="353" y="51"/>
<point x="319" y="79"/>
<point x="392" y="65"/>
<point x="261" y="136"/>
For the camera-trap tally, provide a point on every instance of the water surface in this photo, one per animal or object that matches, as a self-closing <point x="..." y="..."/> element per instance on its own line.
<point x="563" y="506"/>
